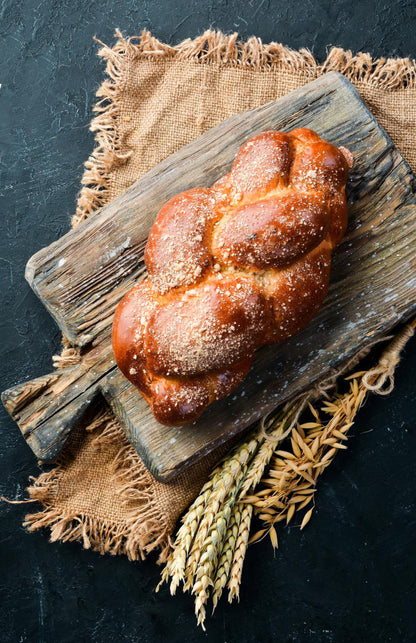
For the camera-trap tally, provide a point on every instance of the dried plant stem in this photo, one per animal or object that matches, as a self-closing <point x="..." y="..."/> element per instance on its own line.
<point x="182" y="564"/>
<point x="210" y="552"/>
<point x="186" y="533"/>
<point x="274" y="431"/>
<point x="214" y="510"/>
<point x="227" y="554"/>
<point x="239" y="554"/>
<point x="210" y="545"/>
<point x="290" y="483"/>
<point x="291" y="479"/>
<point x="226" y="483"/>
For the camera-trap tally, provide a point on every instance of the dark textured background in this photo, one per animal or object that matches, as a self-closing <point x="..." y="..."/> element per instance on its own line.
<point x="350" y="576"/>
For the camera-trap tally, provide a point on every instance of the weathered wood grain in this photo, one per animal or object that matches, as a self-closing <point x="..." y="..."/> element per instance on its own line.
<point x="82" y="276"/>
<point x="48" y="408"/>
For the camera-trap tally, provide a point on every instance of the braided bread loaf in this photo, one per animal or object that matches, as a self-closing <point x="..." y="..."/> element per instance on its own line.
<point x="231" y="268"/>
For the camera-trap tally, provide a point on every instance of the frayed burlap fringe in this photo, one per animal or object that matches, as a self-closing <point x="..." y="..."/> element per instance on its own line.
<point x="134" y="486"/>
<point x="216" y="48"/>
<point x="106" y="154"/>
<point x="145" y="528"/>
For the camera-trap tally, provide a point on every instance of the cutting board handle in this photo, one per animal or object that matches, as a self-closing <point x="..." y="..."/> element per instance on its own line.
<point x="49" y="408"/>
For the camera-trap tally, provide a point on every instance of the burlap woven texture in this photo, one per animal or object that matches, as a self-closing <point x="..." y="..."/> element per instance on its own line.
<point x="156" y="99"/>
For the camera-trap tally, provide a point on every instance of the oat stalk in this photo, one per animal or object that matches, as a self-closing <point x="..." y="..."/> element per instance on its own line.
<point x="290" y="483"/>
<point x="210" y="546"/>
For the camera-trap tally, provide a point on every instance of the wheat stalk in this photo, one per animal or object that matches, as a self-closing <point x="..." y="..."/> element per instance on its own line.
<point x="226" y="559"/>
<point x="239" y="554"/>
<point x="182" y="563"/>
<point x="273" y="431"/>
<point x="211" y="543"/>
<point x="212" y="512"/>
<point x="175" y="567"/>
<point x="225" y="484"/>
<point x="210" y="551"/>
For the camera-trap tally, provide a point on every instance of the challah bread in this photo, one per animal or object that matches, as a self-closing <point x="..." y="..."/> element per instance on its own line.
<point x="231" y="268"/>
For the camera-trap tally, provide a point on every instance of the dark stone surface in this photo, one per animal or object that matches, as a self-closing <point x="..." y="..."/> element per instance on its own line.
<point x="351" y="576"/>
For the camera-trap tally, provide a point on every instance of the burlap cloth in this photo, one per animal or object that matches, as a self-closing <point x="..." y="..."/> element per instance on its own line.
<point x="156" y="99"/>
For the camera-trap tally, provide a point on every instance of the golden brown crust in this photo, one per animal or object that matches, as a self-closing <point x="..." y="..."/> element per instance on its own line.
<point x="231" y="268"/>
<point x="271" y="233"/>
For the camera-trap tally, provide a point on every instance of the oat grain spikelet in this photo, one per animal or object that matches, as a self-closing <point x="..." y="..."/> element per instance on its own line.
<point x="210" y="546"/>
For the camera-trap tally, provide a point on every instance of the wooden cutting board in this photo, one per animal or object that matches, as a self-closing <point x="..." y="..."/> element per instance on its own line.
<point x="81" y="277"/>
